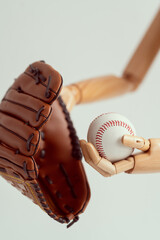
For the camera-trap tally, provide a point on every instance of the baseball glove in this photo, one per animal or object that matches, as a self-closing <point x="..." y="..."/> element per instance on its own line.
<point x="39" y="150"/>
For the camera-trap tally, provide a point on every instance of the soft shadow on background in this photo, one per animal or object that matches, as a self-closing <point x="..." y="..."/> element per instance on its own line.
<point x="83" y="39"/>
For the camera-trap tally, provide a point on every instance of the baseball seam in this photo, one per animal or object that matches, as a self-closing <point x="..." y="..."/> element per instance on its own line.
<point x="103" y="128"/>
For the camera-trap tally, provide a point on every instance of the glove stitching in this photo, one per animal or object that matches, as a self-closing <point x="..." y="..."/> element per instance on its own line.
<point x="37" y="190"/>
<point x="39" y="113"/>
<point x="40" y="82"/>
<point x="48" y="93"/>
<point x="28" y="108"/>
<point x="29" y="141"/>
<point x="14" y="179"/>
<point x="16" y="134"/>
<point x="76" y="152"/>
<point x="5" y="159"/>
<point x="38" y="76"/>
<point x="67" y="180"/>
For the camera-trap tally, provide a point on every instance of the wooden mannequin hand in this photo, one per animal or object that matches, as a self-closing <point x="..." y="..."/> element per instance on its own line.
<point x="149" y="161"/>
<point x="146" y="162"/>
<point x="92" y="157"/>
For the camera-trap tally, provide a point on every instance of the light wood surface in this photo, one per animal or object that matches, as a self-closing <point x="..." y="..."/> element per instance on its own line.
<point x="102" y="165"/>
<point x="143" y="162"/>
<point x="94" y="89"/>
<point x="104" y="87"/>
<point x="99" y="88"/>
<point x="148" y="162"/>
<point x="92" y="157"/>
<point x="144" y="54"/>
<point x="99" y="170"/>
<point x="124" y="165"/>
<point x="136" y="142"/>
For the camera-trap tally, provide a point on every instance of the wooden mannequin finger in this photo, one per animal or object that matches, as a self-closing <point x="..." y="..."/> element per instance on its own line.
<point x="103" y="173"/>
<point x="100" y="162"/>
<point x="83" y="144"/>
<point x="91" y="155"/>
<point x="124" y="165"/>
<point x="94" y="155"/>
<point x="136" y="142"/>
<point x="106" y="166"/>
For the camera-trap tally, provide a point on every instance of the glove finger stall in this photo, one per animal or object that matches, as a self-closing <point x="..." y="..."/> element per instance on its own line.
<point x="40" y="81"/>
<point x="28" y="109"/>
<point x="21" y="165"/>
<point x="17" y="135"/>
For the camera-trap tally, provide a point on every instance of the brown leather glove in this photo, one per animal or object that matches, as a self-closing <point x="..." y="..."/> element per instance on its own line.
<point x="39" y="149"/>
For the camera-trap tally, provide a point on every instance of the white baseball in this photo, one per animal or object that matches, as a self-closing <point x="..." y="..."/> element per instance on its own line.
<point x="106" y="132"/>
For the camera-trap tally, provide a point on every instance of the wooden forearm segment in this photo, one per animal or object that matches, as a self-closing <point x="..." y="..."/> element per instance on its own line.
<point x="148" y="162"/>
<point x="110" y="86"/>
<point x="144" y="54"/>
<point x="99" y="88"/>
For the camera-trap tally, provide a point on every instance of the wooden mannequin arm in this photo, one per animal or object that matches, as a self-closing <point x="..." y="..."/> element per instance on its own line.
<point x="110" y="86"/>
<point x="144" y="54"/>
<point x="100" y="88"/>
<point x="95" y="89"/>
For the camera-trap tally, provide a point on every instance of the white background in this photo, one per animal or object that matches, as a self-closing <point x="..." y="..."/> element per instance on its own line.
<point x="83" y="39"/>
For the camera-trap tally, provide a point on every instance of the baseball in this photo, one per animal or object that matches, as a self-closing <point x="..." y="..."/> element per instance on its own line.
<point x="106" y="132"/>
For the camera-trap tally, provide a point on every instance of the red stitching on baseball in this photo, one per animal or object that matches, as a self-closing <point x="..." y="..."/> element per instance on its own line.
<point x="103" y="128"/>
